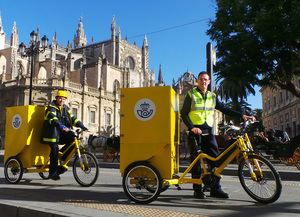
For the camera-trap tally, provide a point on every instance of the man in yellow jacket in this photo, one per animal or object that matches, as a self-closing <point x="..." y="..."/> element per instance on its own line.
<point x="198" y="115"/>
<point x="56" y="129"/>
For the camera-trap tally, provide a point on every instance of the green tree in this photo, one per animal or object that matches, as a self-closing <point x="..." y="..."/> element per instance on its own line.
<point x="236" y="90"/>
<point x="258" y="41"/>
<point x="258" y="114"/>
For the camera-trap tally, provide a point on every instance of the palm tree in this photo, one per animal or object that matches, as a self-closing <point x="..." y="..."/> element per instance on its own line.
<point x="235" y="89"/>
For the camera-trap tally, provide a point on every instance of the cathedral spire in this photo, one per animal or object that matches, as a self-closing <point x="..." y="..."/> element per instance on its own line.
<point x="80" y="37"/>
<point x="1" y="27"/>
<point x="113" y="27"/>
<point x="2" y="34"/>
<point x="145" y="43"/>
<point x="119" y="34"/>
<point x="103" y="52"/>
<point x="69" y="46"/>
<point x="54" y="40"/>
<point x="160" y="78"/>
<point x="38" y="34"/>
<point x="14" y="36"/>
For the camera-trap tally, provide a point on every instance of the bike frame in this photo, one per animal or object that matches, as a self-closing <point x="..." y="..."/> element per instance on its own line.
<point x="45" y="167"/>
<point x="241" y="146"/>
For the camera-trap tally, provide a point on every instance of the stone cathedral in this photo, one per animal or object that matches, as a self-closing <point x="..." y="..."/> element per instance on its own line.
<point x="90" y="73"/>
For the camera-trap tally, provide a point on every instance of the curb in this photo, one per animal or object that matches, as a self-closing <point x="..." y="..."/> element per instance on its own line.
<point x="18" y="211"/>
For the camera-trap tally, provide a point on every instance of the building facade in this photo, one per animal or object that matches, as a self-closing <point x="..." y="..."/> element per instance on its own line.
<point x="281" y="110"/>
<point x="91" y="74"/>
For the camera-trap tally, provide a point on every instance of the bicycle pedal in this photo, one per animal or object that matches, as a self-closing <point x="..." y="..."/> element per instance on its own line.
<point x="178" y="187"/>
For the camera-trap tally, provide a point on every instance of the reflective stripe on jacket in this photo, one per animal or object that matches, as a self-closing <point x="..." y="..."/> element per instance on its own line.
<point x="202" y="110"/>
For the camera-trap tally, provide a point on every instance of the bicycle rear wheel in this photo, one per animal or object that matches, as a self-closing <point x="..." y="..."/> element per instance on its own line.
<point x="267" y="187"/>
<point x="13" y="170"/>
<point x="44" y="175"/>
<point x="142" y="182"/>
<point x="89" y="175"/>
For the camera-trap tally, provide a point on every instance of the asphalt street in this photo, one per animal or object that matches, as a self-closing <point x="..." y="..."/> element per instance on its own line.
<point x="36" y="197"/>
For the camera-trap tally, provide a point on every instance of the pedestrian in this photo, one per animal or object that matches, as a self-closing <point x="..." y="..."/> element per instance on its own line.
<point x="198" y="115"/>
<point x="56" y="129"/>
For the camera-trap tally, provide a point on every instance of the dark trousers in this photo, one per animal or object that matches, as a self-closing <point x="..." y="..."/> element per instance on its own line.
<point x="66" y="138"/>
<point x="208" y="145"/>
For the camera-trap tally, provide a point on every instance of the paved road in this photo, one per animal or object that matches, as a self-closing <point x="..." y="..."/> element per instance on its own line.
<point x="106" y="198"/>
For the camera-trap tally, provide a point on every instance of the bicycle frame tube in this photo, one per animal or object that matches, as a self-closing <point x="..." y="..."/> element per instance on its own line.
<point x="79" y="154"/>
<point x="245" y="146"/>
<point x="201" y="157"/>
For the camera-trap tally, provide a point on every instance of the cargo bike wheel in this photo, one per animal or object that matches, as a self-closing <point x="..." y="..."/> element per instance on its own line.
<point x="44" y="175"/>
<point x="266" y="186"/>
<point x="142" y="182"/>
<point x="13" y="170"/>
<point x="85" y="174"/>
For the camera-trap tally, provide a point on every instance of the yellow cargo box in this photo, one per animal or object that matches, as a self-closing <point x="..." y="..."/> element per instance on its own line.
<point x="150" y="128"/>
<point x="23" y="133"/>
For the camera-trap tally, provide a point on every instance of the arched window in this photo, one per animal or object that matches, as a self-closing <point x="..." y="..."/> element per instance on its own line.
<point x="92" y="114"/>
<point x="116" y="86"/>
<point x="59" y="69"/>
<point x="2" y="64"/>
<point x="75" y="109"/>
<point x="42" y="73"/>
<point x="129" y="63"/>
<point x="77" y="64"/>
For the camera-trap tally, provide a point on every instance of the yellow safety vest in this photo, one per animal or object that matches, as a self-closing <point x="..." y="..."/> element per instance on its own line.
<point x="202" y="110"/>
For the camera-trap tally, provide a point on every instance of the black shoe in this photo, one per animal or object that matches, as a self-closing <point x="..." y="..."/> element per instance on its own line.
<point x="219" y="193"/>
<point x="199" y="195"/>
<point x="206" y="188"/>
<point x="61" y="170"/>
<point x="54" y="176"/>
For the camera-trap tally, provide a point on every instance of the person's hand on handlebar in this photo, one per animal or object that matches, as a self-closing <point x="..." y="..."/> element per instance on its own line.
<point x="64" y="128"/>
<point x="196" y="130"/>
<point x="247" y="117"/>
<point x="84" y="128"/>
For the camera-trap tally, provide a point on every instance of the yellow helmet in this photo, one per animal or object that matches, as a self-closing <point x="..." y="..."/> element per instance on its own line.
<point x="62" y="93"/>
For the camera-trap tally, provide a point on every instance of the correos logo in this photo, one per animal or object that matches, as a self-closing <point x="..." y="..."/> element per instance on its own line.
<point x="16" y="121"/>
<point x="144" y="109"/>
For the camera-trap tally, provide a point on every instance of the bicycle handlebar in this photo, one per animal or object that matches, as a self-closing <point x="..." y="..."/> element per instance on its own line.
<point x="76" y="132"/>
<point x="243" y="127"/>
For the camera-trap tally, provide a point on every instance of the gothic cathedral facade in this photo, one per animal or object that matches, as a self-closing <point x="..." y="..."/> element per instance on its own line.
<point x="90" y="73"/>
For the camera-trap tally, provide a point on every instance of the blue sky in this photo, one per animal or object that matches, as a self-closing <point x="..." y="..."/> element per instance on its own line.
<point x="176" y="49"/>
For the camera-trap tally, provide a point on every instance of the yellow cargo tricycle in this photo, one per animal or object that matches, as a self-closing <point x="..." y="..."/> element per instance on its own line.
<point x="25" y="154"/>
<point x="149" y="151"/>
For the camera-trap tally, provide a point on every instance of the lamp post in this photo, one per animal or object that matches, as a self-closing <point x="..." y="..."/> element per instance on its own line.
<point x="31" y="51"/>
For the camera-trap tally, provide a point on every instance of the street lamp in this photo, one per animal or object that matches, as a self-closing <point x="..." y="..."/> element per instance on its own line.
<point x="31" y="51"/>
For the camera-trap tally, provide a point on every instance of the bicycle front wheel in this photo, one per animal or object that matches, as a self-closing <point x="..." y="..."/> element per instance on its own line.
<point x="266" y="187"/>
<point x="88" y="175"/>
